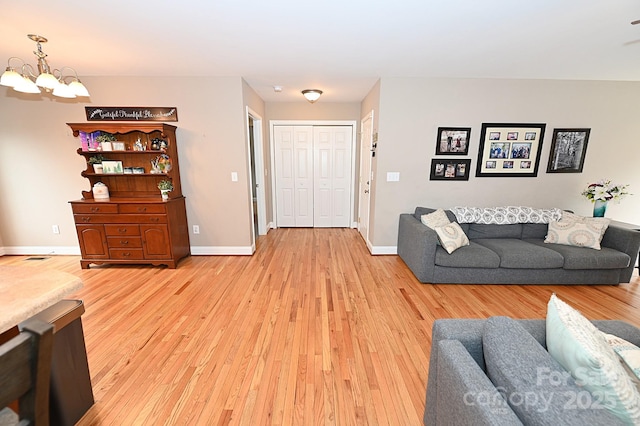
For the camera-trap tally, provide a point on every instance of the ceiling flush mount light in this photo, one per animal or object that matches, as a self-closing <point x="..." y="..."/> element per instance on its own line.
<point x="312" y="95"/>
<point x="52" y="81"/>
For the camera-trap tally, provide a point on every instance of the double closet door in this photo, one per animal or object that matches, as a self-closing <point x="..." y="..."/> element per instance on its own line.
<point x="313" y="176"/>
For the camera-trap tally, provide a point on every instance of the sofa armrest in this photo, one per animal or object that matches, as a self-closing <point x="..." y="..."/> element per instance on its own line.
<point x="465" y="394"/>
<point x="626" y="241"/>
<point x="417" y="247"/>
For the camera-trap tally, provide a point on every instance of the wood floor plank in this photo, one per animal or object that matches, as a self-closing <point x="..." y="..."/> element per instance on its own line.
<point x="310" y="330"/>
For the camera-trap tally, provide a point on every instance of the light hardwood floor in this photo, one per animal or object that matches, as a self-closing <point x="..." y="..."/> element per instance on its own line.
<point x="310" y="330"/>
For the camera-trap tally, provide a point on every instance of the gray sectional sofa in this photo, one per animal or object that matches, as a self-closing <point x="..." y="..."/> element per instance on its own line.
<point x="514" y="254"/>
<point x="507" y="377"/>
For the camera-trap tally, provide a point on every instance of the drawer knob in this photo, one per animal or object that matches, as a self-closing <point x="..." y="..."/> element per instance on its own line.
<point x="86" y="219"/>
<point x="124" y="242"/>
<point x="95" y="209"/>
<point x="122" y="230"/>
<point x="154" y="219"/>
<point x="127" y="254"/>
<point x="142" y="209"/>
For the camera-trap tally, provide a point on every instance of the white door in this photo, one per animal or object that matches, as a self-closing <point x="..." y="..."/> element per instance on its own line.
<point x="364" y="195"/>
<point x="332" y="176"/>
<point x="294" y="175"/>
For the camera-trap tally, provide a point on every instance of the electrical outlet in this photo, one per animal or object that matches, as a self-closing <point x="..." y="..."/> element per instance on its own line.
<point x="196" y="229"/>
<point x="234" y="176"/>
<point x="55" y="229"/>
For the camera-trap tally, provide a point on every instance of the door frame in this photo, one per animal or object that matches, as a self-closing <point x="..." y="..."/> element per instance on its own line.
<point x="365" y="155"/>
<point x="258" y="158"/>
<point x="354" y="128"/>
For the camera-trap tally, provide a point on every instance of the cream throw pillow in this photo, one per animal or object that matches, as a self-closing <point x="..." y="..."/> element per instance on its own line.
<point x="574" y="230"/>
<point x="582" y="349"/>
<point x="435" y="219"/>
<point x="452" y="237"/>
<point x="629" y="355"/>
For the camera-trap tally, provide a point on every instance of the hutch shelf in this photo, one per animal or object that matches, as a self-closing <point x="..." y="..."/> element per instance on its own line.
<point x="134" y="225"/>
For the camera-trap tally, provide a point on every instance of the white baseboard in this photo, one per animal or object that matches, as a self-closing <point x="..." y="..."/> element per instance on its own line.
<point x="41" y="250"/>
<point x="221" y="251"/>
<point x="195" y="250"/>
<point x="375" y="250"/>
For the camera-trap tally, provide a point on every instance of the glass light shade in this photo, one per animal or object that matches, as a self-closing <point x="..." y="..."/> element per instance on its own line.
<point x="312" y="95"/>
<point x="63" y="91"/>
<point x="10" y="78"/>
<point x="78" y="88"/>
<point x="48" y="81"/>
<point x="26" y="85"/>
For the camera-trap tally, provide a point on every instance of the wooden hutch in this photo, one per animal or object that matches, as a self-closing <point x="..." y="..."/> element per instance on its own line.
<point x="134" y="225"/>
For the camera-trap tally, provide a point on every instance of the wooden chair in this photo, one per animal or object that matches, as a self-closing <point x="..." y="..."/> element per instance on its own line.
<point x="25" y="370"/>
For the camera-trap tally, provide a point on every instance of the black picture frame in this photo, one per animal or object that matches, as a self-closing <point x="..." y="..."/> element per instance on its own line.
<point x="510" y="149"/>
<point x="568" y="150"/>
<point x="453" y="140"/>
<point x="450" y="169"/>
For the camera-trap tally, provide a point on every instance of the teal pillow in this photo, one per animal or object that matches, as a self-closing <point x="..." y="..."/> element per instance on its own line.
<point x="582" y="349"/>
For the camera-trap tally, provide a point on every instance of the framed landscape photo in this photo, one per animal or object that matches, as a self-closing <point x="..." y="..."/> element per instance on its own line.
<point x="510" y="150"/>
<point x="450" y="169"/>
<point x="453" y="140"/>
<point x="568" y="150"/>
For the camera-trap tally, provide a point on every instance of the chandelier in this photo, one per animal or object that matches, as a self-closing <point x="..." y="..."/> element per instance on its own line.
<point x="54" y="81"/>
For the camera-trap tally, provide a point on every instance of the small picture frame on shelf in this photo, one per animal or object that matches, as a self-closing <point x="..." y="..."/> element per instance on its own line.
<point x="118" y="146"/>
<point x="112" y="167"/>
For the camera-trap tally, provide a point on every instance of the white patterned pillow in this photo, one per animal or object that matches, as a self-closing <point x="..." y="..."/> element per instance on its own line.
<point x="595" y="222"/>
<point x="505" y="215"/>
<point x="582" y="349"/>
<point x="452" y="237"/>
<point x="629" y="355"/>
<point x="435" y="219"/>
<point x="576" y="233"/>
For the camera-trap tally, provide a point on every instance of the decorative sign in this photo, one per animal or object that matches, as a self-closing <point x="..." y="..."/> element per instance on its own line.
<point x="131" y="113"/>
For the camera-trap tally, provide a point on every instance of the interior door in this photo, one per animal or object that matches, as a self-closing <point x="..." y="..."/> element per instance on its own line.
<point x="332" y="176"/>
<point x="294" y="175"/>
<point x="364" y="192"/>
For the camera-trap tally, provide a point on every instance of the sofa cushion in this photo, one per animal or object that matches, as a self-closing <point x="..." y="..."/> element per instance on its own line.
<point x="536" y="387"/>
<point x="518" y="254"/>
<point x="451" y="237"/>
<point x="582" y="349"/>
<point x="472" y="256"/>
<point x="586" y="258"/>
<point x="534" y="230"/>
<point x="478" y="230"/>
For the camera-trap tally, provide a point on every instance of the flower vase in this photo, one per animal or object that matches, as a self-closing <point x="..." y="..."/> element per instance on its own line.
<point x="165" y="193"/>
<point x="599" y="208"/>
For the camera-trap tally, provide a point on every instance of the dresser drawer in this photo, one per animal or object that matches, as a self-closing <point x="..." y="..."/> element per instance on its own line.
<point x="94" y="208"/>
<point x="142" y="208"/>
<point x="126" y="254"/>
<point x="124" y="242"/>
<point x="122" y="230"/>
<point x="119" y="218"/>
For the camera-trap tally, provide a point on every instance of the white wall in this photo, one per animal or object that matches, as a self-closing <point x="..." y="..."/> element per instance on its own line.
<point x="411" y="110"/>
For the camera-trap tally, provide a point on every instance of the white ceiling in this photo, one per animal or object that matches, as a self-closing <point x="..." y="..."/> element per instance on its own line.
<point x="339" y="46"/>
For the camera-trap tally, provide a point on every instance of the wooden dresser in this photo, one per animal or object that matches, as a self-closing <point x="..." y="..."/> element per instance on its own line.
<point x="134" y="225"/>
